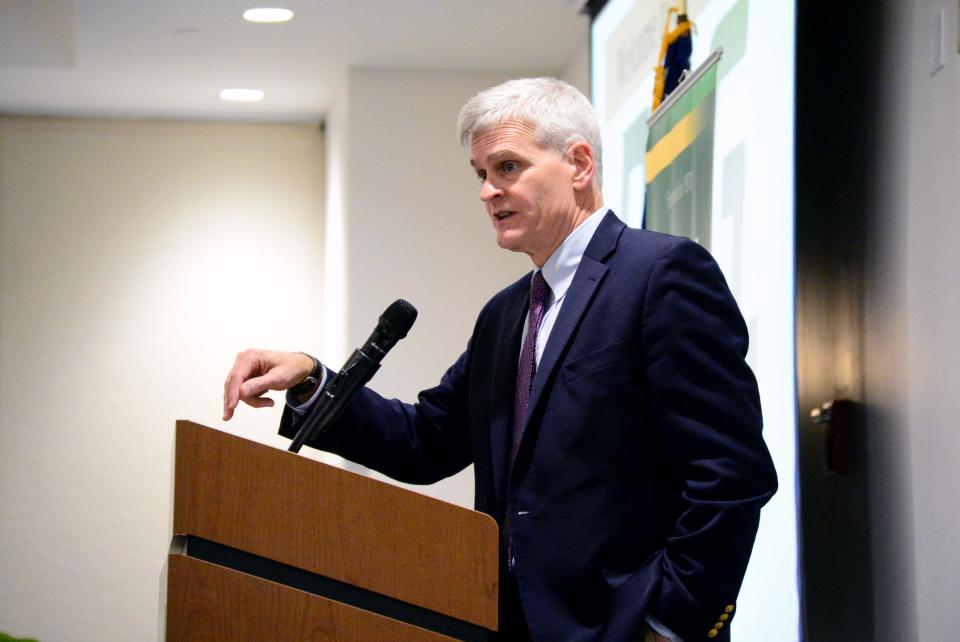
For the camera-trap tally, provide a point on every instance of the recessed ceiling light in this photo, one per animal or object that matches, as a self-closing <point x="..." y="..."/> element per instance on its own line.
<point x="267" y="14"/>
<point x="241" y="95"/>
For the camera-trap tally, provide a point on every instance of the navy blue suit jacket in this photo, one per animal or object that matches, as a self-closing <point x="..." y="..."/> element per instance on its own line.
<point x="641" y="472"/>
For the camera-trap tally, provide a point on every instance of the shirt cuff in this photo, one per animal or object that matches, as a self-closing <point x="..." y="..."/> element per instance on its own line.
<point x="660" y="629"/>
<point x="303" y="408"/>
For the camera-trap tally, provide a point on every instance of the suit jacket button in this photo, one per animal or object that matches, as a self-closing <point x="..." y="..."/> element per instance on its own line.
<point x="712" y="633"/>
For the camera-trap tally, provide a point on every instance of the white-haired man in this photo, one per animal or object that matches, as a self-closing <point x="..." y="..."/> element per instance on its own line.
<point x="604" y="399"/>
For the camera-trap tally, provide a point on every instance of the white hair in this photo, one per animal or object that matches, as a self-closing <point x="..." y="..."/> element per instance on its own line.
<point x="560" y="114"/>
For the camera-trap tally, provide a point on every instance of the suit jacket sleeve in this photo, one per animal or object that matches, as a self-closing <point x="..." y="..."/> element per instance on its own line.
<point x="707" y="410"/>
<point x="419" y="443"/>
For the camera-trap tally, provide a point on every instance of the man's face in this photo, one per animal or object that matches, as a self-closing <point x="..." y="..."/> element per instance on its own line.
<point x="527" y="189"/>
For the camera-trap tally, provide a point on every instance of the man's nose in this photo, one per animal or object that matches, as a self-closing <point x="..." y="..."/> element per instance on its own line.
<point x="489" y="191"/>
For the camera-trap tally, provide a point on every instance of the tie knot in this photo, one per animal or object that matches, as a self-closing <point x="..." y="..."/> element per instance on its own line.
<point x="539" y="290"/>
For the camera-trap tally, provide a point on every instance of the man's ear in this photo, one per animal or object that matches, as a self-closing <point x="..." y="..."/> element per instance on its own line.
<point x="581" y="156"/>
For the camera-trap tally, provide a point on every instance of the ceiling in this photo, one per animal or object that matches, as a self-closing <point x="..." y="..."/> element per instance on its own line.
<point x="170" y="58"/>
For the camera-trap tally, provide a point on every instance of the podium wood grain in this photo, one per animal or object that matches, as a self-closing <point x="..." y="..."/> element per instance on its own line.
<point x="210" y="603"/>
<point x="338" y="524"/>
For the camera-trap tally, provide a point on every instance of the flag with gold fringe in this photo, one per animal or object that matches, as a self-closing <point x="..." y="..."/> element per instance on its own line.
<point x="675" y="50"/>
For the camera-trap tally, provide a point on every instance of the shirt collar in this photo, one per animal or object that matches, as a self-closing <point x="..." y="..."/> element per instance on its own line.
<point x="560" y="268"/>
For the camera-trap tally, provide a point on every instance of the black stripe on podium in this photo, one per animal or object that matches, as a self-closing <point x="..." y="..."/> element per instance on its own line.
<point x="332" y="589"/>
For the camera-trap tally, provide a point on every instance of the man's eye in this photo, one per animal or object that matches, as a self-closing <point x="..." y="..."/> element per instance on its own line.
<point x="510" y="166"/>
<point x="482" y="176"/>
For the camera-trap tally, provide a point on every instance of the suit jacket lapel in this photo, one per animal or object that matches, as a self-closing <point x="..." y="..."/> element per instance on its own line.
<point x="508" y="355"/>
<point x="585" y="283"/>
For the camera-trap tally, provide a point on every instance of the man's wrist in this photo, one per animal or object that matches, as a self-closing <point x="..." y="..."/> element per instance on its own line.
<point x="660" y="631"/>
<point x="306" y="388"/>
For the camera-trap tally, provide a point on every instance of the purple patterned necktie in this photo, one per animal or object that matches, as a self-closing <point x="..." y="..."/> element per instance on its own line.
<point x="539" y="291"/>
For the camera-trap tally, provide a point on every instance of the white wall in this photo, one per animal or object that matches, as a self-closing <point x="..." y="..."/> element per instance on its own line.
<point x="137" y="258"/>
<point x="577" y="71"/>
<point x="912" y="307"/>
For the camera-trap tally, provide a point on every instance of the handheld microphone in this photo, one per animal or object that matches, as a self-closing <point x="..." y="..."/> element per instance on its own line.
<point x="392" y="326"/>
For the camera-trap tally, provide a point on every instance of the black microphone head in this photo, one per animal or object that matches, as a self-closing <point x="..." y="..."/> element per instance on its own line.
<point x="399" y="317"/>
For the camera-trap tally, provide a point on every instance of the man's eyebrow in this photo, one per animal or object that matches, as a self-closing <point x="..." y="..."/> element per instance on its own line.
<point x="502" y="154"/>
<point x="499" y="155"/>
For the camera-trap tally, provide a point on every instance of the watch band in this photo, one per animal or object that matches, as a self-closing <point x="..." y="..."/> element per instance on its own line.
<point x="310" y="383"/>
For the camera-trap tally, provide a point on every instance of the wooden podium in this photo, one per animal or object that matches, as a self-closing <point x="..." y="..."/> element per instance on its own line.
<point x="270" y="545"/>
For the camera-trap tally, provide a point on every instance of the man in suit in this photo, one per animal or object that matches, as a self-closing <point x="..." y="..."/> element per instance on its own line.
<point x="604" y="400"/>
